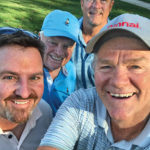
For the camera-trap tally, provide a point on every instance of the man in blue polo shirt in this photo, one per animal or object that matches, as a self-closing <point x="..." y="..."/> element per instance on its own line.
<point x="95" y="16"/>
<point x="60" y="32"/>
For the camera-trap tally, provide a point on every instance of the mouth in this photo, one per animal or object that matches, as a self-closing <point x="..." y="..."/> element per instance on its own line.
<point x="95" y="12"/>
<point x="122" y="96"/>
<point x="21" y="102"/>
<point x="55" y="58"/>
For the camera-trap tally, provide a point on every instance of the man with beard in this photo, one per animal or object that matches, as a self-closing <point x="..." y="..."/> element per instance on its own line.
<point x="95" y="16"/>
<point x="23" y="119"/>
<point x="60" y="31"/>
<point x="114" y="115"/>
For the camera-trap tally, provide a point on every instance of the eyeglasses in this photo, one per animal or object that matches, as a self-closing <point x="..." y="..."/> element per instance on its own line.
<point x="11" y="30"/>
<point x="101" y="1"/>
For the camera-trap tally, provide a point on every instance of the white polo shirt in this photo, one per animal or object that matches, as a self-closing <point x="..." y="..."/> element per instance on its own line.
<point x="33" y="132"/>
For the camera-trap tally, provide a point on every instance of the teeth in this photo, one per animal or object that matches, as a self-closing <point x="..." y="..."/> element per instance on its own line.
<point x="21" y="102"/>
<point x="121" y="95"/>
<point x="56" y="58"/>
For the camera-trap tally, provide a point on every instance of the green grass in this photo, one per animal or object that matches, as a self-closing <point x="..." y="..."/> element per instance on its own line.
<point x="148" y="1"/>
<point x="29" y="14"/>
<point x="123" y="7"/>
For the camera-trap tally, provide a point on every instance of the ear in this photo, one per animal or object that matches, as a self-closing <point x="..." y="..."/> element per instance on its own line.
<point x="82" y="2"/>
<point x="40" y="35"/>
<point x="111" y="5"/>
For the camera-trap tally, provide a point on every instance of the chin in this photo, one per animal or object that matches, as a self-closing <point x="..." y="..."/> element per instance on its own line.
<point x="20" y="117"/>
<point x="119" y="115"/>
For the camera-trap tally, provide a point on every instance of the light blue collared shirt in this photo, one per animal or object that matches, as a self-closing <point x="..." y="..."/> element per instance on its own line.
<point x="55" y="92"/>
<point x="82" y="123"/>
<point x="83" y="63"/>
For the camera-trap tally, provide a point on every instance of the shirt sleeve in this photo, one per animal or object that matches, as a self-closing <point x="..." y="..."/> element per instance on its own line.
<point x="64" y="130"/>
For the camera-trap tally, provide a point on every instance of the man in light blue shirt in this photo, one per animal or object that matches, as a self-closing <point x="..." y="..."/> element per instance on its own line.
<point x="114" y="115"/>
<point x="60" y="32"/>
<point x="95" y="16"/>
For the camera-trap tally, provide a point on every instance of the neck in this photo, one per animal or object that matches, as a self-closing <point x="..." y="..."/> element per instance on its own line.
<point x="18" y="130"/>
<point x="127" y="133"/>
<point x="90" y="31"/>
<point x="15" y="128"/>
<point x="54" y="73"/>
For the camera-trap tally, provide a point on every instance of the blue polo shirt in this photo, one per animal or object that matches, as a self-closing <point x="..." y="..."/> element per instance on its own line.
<point x="82" y="123"/>
<point x="83" y="63"/>
<point x="55" y="92"/>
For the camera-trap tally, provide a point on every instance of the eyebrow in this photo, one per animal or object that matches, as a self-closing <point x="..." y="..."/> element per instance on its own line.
<point x="104" y="61"/>
<point x="54" y="39"/>
<point x="15" y="73"/>
<point x="132" y="60"/>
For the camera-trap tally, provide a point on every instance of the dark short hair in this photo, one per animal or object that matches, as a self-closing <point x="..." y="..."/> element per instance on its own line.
<point x="113" y="34"/>
<point x="24" y="38"/>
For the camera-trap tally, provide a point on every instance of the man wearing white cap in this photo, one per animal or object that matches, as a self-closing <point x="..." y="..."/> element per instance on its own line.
<point x="60" y="31"/>
<point x="115" y="114"/>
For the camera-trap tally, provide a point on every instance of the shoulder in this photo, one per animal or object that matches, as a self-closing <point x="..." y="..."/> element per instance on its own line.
<point x="82" y="98"/>
<point x="81" y="21"/>
<point x="86" y="94"/>
<point x="70" y="66"/>
<point x="45" y="108"/>
<point x="70" y="70"/>
<point x="46" y="117"/>
<point x="37" y="125"/>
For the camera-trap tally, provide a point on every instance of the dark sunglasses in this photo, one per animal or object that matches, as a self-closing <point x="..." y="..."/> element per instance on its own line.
<point x="11" y="30"/>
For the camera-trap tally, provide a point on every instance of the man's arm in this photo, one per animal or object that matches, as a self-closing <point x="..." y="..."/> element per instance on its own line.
<point x="46" y="148"/>
<point x="64" y="129"/>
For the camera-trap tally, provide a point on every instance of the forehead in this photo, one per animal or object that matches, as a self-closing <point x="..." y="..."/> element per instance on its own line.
<point x="98" y="0"/>
<point x="60" y="39"/>
<point x="19" y="58"/>
<point x="103" y="2"/>
<point x="123" y="45"/>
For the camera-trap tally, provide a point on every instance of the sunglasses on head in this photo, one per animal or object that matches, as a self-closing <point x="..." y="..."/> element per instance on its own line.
<point x="11" y="30"/>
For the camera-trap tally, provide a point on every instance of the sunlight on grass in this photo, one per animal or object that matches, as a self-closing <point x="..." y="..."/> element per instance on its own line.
<point x="29" y="14"/>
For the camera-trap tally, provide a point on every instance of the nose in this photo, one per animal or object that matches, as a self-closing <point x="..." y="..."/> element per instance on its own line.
<point x="23" y="89"/>
<point x="120" y="78"/>
<point x="59" y="50"/>
<point x="96" y="4"/>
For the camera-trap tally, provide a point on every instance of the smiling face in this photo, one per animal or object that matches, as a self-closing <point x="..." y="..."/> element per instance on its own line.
<point x="96" y="12"/>
<point x="58" y="51"/>
<point x="21" y="82"/>
<point x="122" y="74"/>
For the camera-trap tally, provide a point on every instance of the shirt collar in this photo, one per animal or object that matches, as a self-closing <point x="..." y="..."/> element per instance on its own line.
<point x="144" y="138"/>
<point x="63" y="69"/>
<point x="101" y="114"/>
<point x="31" y="123"/>
<point x="81" y="39"/>
<point x="36" y="114"/>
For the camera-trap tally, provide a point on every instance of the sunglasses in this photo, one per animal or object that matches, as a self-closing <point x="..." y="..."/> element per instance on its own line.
<point x="11" y="30"/>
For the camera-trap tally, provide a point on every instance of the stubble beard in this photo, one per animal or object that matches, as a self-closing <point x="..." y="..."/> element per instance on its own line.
<point x="16" y="116"/>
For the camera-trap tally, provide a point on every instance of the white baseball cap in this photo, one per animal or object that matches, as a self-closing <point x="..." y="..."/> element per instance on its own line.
<point x="138" y="25"/>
